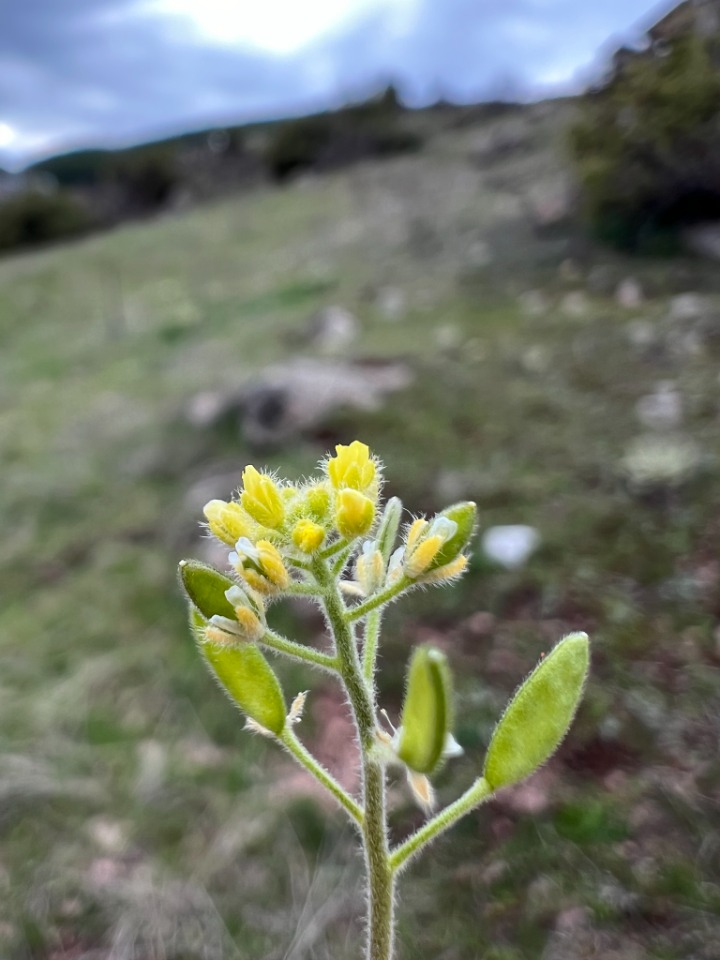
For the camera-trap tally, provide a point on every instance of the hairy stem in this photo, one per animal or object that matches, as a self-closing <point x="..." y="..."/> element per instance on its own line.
<point x="373" y="603"/>
<point x="473" y="797"/>
<point x="304" y="757"/>
<point x="299" y="652"/>
<point x="377" y="853"/>
<point x="370" y="646"/>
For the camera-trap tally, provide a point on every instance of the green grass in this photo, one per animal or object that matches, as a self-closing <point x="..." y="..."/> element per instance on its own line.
<point x="131" y="801"/>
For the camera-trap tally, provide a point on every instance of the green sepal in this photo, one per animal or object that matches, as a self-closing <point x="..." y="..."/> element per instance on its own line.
<point x="388" y="528"/>
<point x="206" y="588"/>
<point x="427" y="711"/>
<point x="245" y="675"/>
<point x="539" y="715"/>
<point x="464" y="514"/>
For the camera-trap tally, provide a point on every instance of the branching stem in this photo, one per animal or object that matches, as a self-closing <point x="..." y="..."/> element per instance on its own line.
<point x="307" y="760"/>
<point x="297" y="651"/>
<point x="379" y="600"/>
<point x="472" y="798"/>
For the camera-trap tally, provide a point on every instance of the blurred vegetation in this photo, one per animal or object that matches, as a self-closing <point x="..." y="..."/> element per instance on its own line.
<point x="647" y="146"/>
<point x="35" y="218"/>
<point x="330" y="140"/>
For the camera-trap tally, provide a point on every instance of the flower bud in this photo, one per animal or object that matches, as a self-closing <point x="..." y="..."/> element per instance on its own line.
<point x="308" y="536"/>
<point x="354" y="514"/>
<point x="424" y="543"/>
<point x="262" y="499"/>
<point x="370" y="568"/>
<point x="260" y="566"/>
<point x="228" y="521"/>
<point x="427" y="711"/>
<point x="352" y="467"/>
<point x="388" y="527"/>
<point x="464" y="516"/>
<point x="316" y="498"/>
<point x="539" y="715"/>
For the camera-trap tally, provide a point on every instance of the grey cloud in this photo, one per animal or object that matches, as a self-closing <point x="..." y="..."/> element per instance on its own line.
<point x="97" y="71"/>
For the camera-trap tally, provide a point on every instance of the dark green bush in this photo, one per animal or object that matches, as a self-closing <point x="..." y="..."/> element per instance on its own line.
<point x="147" y="176"/>
<point x="33" y="218"/>
<point x="372" y="128"/>
<point x="647" y="148"/>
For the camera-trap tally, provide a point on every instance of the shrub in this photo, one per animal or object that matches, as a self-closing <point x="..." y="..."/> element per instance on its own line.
<point x="33" y="218"/>
<point x="373" y="128"/>
<point x="648" y="146"/>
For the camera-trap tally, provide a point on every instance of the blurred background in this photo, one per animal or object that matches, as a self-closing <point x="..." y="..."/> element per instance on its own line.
<point x="482" y="237"/>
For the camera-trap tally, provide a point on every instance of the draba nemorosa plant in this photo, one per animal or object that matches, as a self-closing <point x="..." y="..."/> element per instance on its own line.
<point x="331" y="538"/>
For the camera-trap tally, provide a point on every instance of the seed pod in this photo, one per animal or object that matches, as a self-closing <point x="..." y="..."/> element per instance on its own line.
<point x="246" y="676"/>
<point x="206" y="588"/>
<point x="539" y="715"/>
<point x="427" y="711"/>
<point x="463" y="514"/>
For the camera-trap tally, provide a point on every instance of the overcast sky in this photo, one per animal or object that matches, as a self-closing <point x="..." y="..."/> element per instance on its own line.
<point x="97" y="72"/>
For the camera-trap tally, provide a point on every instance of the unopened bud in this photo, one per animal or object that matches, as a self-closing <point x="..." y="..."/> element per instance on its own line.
<point x="354" y="514"/>
<point x="262" y="499"/>
<point x="228" y="521"/>
<point x="370" y="568"/>
<point x="308" y="536"/>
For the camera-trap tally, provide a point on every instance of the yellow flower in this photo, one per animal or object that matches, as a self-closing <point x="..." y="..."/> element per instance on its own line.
<point x="262" y="499"/>
<point x="308" y="536"/>
<point x="352" y="467"/>
<point x="260" y="566"/>
<point x="354" y="514"/>
<point x="227" y="521"/>
<point x="423" y="544"/>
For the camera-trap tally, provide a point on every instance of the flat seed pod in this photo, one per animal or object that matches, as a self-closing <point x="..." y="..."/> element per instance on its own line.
<point x="539" y="715"/>
<point x="464" y="514"/>
<point x="206" y="588"/>
<point x="427" y="710"/>
<point x="248" y="679"/>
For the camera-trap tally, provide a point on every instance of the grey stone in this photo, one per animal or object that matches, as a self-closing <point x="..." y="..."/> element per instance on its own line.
<point x="293" y="398"/>
<point x="662" y="409"/>
<point x="629" y="294"/>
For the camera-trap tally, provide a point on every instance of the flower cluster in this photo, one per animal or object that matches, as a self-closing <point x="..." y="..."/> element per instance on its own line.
<point x="276" y="529"/>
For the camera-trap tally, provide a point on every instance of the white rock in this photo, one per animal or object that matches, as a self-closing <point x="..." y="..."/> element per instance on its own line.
<point x="333" y="329"/>
<point x="392" y="303"/>
<point x="641" y="333"/>
<point x="687" y="306"/>
<point x="511" y="546"/>
<point x="574" y="304"/>
<point x="533" y="303"/>
<point x="662" y="409"/>
<point x="629" y="294"/>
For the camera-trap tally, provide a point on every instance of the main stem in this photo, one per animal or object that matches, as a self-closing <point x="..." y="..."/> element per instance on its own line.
<point x="374" y="828"/>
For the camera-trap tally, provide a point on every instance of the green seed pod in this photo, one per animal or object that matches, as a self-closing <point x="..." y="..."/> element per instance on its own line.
<point x="539" y="715"/>
<point x="245" y="675"/>
<point x="465" y="516"/>
<point x="388" y="528"/>
<point x="206" y="589"/>
<point x="427" y="711"/>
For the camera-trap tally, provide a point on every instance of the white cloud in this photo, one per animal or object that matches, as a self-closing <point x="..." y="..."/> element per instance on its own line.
<point x="278" y="26"/>
<point x="8" y="135"/>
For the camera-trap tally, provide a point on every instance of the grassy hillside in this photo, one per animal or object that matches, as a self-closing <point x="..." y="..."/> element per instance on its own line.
<point x="137" y="819"/>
